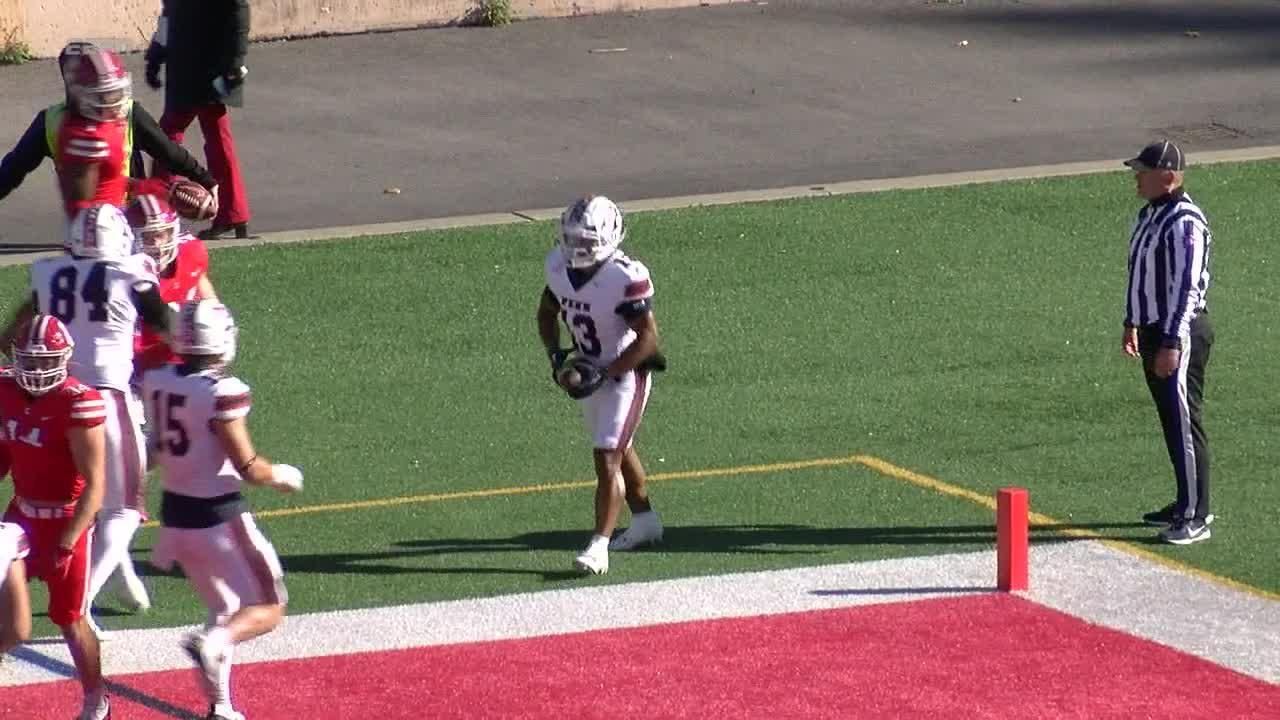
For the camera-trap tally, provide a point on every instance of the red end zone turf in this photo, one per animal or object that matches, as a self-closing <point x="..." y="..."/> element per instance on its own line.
<point x="986" y="656"/>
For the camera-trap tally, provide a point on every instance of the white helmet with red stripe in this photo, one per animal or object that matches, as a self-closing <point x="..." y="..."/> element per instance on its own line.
<point x="97" y="83"/>
<point x="591" y="230"/>
<point x="155" y="227"/>
<point x="100" y="231"/>
<point x="205" y="328"/>
<point x="41" y="352"/>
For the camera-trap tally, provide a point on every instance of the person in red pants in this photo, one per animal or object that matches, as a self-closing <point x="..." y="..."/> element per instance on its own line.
<point x="201" y="45"/>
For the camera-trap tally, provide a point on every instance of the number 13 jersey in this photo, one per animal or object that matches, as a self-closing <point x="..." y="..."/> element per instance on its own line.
<point x="596" y="307"/>
<point x="95" y="300"/>
<point x="181" y="409"/>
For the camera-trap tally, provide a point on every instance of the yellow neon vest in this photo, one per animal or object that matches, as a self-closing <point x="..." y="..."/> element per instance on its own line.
<point x="53" y="116"/>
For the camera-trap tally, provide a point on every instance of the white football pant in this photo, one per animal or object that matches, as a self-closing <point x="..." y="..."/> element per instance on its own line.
<point x="113" y="532"/>
<point x="613" y="412"/>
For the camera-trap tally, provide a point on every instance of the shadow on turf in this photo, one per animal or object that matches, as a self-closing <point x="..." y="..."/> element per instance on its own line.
<point x="721" y="539"/>
<point x="119" y="691"/>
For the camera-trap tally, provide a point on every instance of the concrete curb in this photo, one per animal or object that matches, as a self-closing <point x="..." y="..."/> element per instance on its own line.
<point x="850" y="187"/>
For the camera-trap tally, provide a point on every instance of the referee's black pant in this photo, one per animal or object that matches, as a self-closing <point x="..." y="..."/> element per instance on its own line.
<point x="1179" y="399"/>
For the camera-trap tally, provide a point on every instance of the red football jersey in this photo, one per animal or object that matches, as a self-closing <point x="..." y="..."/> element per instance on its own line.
<point x="84" y="141"/>
<point x="179" y="283"/>
<point x="35" y="431"/>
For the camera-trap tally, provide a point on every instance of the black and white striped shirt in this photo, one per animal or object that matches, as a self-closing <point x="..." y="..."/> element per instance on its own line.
<point x="1168" y="266"/>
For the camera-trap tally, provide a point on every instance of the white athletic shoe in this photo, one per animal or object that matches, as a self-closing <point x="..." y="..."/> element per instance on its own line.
<point x="100" y="711"/>
<point x="208" y="661"/>
<point x="646" y="529"/>
<point x="594" y="560"/>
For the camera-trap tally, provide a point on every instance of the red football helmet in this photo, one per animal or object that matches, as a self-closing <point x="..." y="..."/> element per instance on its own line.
<point x="70" y="51"/>
<point x="41" y="353"/>
<point x="98" y="84"/>
<point x="155" y="227"/>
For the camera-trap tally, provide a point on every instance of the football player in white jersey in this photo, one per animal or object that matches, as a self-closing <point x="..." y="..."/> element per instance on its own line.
<point x="15" y="604"/>
<point x="604" y="298"/>
<point x="99" y="290"/>
<point x="201" y="442"/>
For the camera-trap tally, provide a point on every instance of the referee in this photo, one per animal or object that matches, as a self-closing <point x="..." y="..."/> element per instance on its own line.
<point x="1166" y="323"/>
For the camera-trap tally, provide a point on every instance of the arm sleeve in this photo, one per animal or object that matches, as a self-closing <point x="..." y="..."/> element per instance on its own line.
<point x="153" y="310"/>
<point x="175" y="158"/>
<point x="25" y="157"/>
<point x="1187" y="240"/>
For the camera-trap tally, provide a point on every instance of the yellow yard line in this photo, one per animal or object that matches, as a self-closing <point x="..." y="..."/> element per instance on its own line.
<point x="550" y="487"/>
<point x="900" y="473"/>
<point x="875" y="464"/>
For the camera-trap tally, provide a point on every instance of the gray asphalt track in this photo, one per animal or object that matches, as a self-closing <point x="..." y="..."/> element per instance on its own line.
<point x="751" y="95"/>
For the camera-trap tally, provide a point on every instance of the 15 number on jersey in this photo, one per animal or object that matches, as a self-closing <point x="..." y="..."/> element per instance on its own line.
<point x="167" y="408"/>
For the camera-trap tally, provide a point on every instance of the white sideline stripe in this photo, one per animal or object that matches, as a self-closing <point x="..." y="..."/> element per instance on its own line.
<point x="1029" y="172"/>
<point x="1114" y="589"/>
<point x="551" y="612"/>
<point x="1081" y="578"/>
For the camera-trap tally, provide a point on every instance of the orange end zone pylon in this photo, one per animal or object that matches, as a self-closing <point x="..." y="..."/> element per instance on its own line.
<point x="1011" y="539"/>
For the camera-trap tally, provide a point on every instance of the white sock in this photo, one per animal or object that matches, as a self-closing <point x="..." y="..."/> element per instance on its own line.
<point x="222" y="701"/>
<point x="598" y="540"/>
<point x="218" y="640"/>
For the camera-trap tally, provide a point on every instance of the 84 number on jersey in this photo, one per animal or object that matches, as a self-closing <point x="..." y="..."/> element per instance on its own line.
<point x="62" y="293"/>
<point x="583" y="330"/>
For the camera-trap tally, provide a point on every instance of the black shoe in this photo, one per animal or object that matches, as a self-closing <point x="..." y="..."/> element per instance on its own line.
<point x="216" y="232"/>
<point x="1186" y="532"/>
<point x="1160" y="518"/>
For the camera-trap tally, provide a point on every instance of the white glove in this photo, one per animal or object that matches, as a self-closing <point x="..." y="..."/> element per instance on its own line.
<point x="287" y="477"/>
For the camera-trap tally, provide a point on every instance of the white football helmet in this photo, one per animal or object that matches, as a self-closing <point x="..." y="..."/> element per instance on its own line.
<point x="591" y="230"/>
<point x="100" y="231"/>
<point x="204" y="327"/>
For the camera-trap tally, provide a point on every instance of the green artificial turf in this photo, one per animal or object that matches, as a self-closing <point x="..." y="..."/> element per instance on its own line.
<point x="969" y="333"/>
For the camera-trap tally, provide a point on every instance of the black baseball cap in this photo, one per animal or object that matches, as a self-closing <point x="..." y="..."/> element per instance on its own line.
<point x="1162" y="155"/>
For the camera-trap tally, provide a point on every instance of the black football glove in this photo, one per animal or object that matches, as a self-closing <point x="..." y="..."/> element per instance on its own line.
<point x="657" y="362"/>
<point x="592" y="378"/>
<point x="155" y="60"/>
<point x="557" y="358"/>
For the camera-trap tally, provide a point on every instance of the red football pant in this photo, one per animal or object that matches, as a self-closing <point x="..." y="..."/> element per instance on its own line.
<point x="68" y="593"/>
<point x="219" y="153"/>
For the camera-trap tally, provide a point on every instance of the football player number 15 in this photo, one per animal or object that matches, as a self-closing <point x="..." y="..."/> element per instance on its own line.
<point x="166" y="407"/>
<point x="63" y="296"/>
<point x="583" y="329"/>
